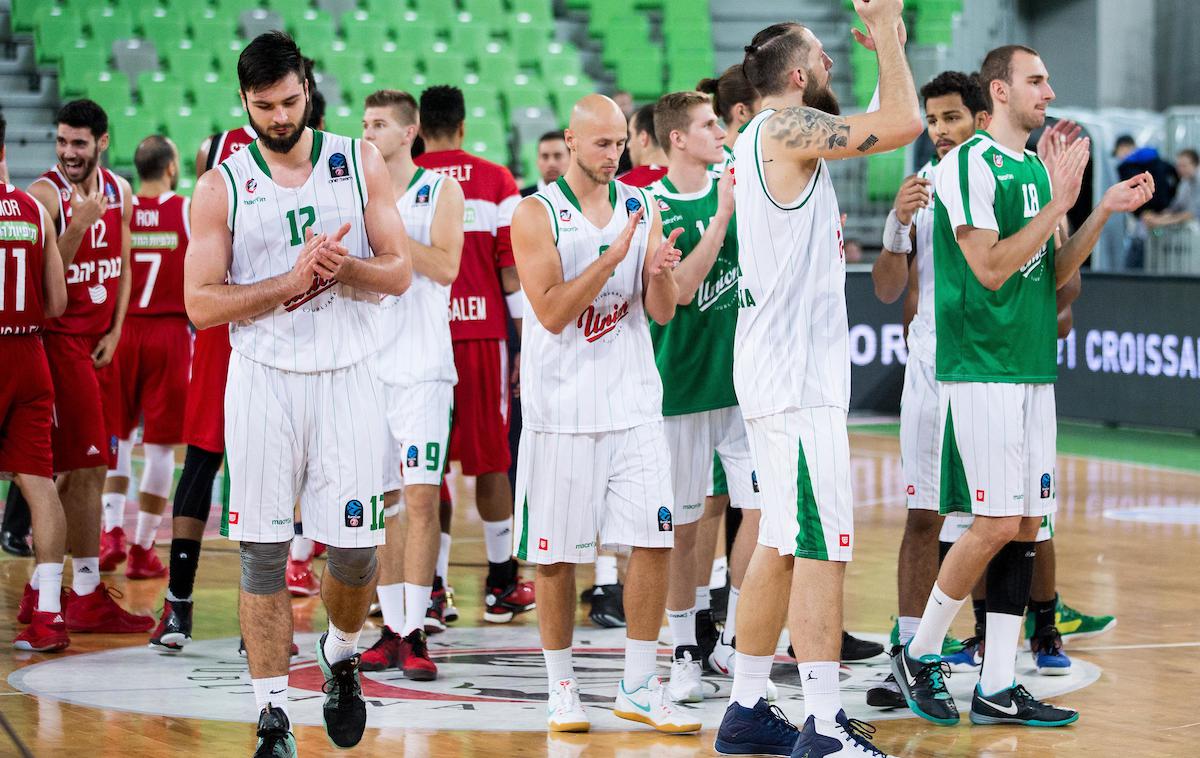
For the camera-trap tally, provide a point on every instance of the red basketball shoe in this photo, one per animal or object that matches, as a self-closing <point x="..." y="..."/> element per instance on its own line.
<point x="112" y="549"/>
<point x="46" y="633"/>
<point x="144" y="563"/>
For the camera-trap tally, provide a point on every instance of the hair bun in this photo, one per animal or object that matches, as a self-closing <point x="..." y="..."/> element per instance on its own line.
<point x="751" y="48"/>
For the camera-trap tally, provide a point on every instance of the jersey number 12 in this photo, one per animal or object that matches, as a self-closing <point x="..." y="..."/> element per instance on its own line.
<point x="308" y="216"/>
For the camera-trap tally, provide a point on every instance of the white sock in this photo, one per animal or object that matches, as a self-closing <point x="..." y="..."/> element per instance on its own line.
<point x="114" y="510"/>
<point x="1000" y="663"/>
<point x="720" y="566"/>
<point x="49" y="579"/>
<point x="908" y="628"/>
<point x="271" y="691"/>
<point x="498" y="538"/>
<point x="391" y="600"/>
<point x="301" y="549"/>
<point x="147" y="527"/>
<point x="443" y="563"/>
<point x="750" y="675"/>
<point x="340" y="645"/>
<point x="559" y="665"/>
<point x="416" y="602"/>
<point x="703" y="599"/>
<point x="822" y="693"/>
<point x="86" y="575"/>
<point x="606" y="570"/>
<point x="639" y="662"/>
<point x="731" y="614"/>
<point x="683" y="626"/>
<point x="34" y="581"/>
<point x="940" y="611"/>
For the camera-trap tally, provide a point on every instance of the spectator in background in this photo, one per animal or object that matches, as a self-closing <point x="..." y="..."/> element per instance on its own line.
<point x="624" y="101"/>
<point x="1185" y="207"/>
<point x="552" y="159"/>
<point x="1131" y="161"/>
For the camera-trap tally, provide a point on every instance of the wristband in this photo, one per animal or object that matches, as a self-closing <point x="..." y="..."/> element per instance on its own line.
<point x="895" y="235"/>
<point x="516" y="304"/>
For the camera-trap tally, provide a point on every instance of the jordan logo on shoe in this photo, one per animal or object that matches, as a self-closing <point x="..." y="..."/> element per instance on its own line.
<point x="810" y="677"/>
<point x="1010" y="709"/>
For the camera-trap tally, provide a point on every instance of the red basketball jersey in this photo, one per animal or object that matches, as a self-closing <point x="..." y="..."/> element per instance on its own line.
<point x="227" y="143"/>
<point x="22" y="241"/>
<point x="160" y="234"/>
<point x="95" y="273"/>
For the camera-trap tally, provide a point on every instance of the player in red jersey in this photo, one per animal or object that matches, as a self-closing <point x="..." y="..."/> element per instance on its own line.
<point x="33" y="288"/>
<point x="649" y="160"/>
<point x="91" y="208"/>
<point x="151" y="367"/>
<point x="479" y="436"/>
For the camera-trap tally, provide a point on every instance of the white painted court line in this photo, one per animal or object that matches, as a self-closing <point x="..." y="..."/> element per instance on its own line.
<point x="1148" y="646"/>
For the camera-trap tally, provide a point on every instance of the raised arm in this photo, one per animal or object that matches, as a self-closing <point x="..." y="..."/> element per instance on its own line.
<point x="440" y="260"/>
<point x="85" y="211"/>
<point x="208" y="299"/>
<point x="54" y="278"/>
<point x="692" y="270"/>
<point x="106" y="347"/>
<point x="556" y="302"/>
<point x="389" y="270"/>
<point x="1122" y="197"/>
<point x="891" y="270"/>
<point x="660" y="292"/>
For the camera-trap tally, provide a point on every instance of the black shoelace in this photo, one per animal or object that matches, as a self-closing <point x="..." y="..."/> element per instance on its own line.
<point x="860" y="732"/>
<point x="419" y="644"/>
<point x="344" y="682"/>
<point x="935" y="675"/>
<point x="778" y="722"/>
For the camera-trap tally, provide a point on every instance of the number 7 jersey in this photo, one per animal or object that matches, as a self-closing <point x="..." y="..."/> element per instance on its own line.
<point x="159" y="234"/>
<point x="331" y="325"/>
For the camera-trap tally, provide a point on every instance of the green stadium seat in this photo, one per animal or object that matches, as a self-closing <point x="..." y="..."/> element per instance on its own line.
<point x="109" y="88"/>
<point x="234" y="8"/>
<point x="497" y="65"/>
<point x="524" y="92"/>
<point x="440" y="12"/>
<point x="183" y="58"/>
<point x="621" y="47"/>
<point x="414" y="31"/>
<point x="539" y="10"/>
<point x="885" y="172"/>
<point x="488" y="13"/>
<point x="58" y="30"/>
<point x="641" y="73"/>
<point x="392" y="65"/>
<point x="484" y="95"/>
<point x="313" y="28"/>
<point x="127" y="126"/>
<point x="213" y="30"/>
<point x="108" y="23"/>
<point x="468" y="37"/>
<point x="25" y="14"/>
<point x="161" y="26"/>
<point x="364" y="31"/>
<point x="344" y="120"/>
<point x="529" y="40"/>
<point x="212" y="94"/>
<point x="346" y="64"/>
<point x="560" y="59"/>
<point x="76" y="65"/>
<point x="159" y="91"/>
<point x="445" y="68"/>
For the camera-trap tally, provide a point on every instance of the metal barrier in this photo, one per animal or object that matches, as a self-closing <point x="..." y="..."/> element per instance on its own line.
<point x="1174" y="249"/>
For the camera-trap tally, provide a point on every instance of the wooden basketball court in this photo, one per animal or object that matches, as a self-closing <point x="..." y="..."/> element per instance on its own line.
<point x="1128" y="544"/>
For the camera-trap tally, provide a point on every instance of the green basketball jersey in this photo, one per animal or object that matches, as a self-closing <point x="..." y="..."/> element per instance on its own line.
<point x="694" y="351"/>
<point x="983" y="336"/>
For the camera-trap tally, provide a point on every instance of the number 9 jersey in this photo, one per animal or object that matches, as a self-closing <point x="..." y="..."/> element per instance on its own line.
<point x="332" y="325"/>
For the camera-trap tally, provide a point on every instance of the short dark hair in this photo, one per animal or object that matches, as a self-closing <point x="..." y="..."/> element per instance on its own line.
<point x="1125" y="140"/>
<point x="557" y="134"/>
<point x="965" y="86"/>
<point x="731" y="88"/>
<point x="443" y="110"/>
<point x="152" y="157"/>
<point x="404" y="104"/>
<point x="84" y="114"/>
<point x="997" y="65"/>
<point x="1187" y="152"/>
<point x="643" y="122"/>
<point x="317" y="107"/>
<point x="771" y="54"/>
<point x="672" y="112"/>
<point x="269" y="58"/>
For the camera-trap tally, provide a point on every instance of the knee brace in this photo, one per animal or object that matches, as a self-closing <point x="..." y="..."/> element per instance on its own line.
<point x="193" y="496"/>
<point x="1009" y="578"/>
<point x="124" y="465"/>
<point x="159" y="470"/>
<point x="354" y="566"/>
<point x="264" y="565"/>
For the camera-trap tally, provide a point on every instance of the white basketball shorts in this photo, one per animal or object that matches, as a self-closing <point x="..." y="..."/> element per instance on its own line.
<point x="693" y="438"/>
<point x="574" y="490"/>
<point x="418" y="419"/>
<point x="309" y="437"/>
<point x="919" y="439"/>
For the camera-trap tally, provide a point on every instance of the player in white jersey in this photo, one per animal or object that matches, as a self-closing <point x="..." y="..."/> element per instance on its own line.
<point x="792" y="370"/>
<point x="416" y="366"/>
<point x="294" y="240"/>
<point x="593" y="466"/>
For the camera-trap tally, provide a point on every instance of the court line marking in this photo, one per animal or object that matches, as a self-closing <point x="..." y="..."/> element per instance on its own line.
<point x="1147" y="646"/>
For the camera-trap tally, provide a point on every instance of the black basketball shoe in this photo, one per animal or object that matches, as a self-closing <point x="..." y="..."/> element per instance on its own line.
<point x="345" y="710"/>
<point x="274" y="735"/>
<point x="1016" y="706"/>
<point x="174" y="627"/>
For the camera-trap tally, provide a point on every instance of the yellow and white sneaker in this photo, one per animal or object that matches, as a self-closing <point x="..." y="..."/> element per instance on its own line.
<point x="564" y="711"/>
<point x="651" y="704"/>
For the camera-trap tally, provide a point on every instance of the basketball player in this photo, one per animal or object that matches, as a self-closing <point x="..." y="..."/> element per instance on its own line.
<point x="152" y="360"/>
<point x="91" y="208"/>
<point x="294" y="239"/>
<point x="33" y="288"/>
<point x="791" y="371"/>
<point x="593" y="467"/>
<point x="479" y="436"/>
<point x="649" y="160"/>
<point x="996" y="268"/>
<point x="416" y="366"/>
<point x="204" y="435"/>
<point x="694" y="354"/>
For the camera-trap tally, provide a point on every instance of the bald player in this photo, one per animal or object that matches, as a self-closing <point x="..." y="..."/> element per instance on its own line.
<point x="593" y="457"/>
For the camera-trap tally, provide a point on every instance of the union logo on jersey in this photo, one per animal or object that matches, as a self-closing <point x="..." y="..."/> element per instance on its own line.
<point x="338" y="168"/>
<point x="422" y="197"/>
<point x="601" y="320"/>
<point x="354" y="513"/>
<point x="318" y="286"/>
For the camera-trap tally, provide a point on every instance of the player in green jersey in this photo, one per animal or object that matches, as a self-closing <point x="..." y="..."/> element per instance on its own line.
<point x="996" y="271"/>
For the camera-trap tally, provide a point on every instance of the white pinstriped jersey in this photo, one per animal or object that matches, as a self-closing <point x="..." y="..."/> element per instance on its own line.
<point x="791" y="349"/>
<point x="597" y="375"/>
<point x="415" y="327"/>
<point x="332" y="325"/>
<point x="922" y="335"/>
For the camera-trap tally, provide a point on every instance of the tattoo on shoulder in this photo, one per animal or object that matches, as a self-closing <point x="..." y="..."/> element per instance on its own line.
<point x="807" y="128"/>
<point x="868" y="143"/>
